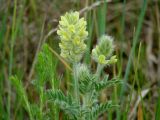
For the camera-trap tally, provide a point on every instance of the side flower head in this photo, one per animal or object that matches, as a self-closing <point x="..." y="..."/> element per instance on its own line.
<point x="72" y="32"/>
<point x="104" y="50"/>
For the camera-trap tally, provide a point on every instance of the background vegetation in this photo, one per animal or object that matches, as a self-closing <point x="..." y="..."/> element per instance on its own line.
<point x="25" y="25"/>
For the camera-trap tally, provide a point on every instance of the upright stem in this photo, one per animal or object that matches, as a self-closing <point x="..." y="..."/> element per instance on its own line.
<point x="11" y="60"/>
<point x="76" y="84"/>
<point x="55" y="107"/>
<point x="41" y="103"/>
<point x="98" y="72"/>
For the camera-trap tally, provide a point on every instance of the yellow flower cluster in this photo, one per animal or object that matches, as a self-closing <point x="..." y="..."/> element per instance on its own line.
<point x="72" y="32"/>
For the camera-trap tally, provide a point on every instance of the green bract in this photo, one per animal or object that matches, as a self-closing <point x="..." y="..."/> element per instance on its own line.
<point x="72" y="32"/>
<point x="104" y="50"/>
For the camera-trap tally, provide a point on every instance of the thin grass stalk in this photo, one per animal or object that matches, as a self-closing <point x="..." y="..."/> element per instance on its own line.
<point x="134" y="81"/>
<point x="101" y="18"/>
<point x="11" y="59"/>
<point x="137" y="80"/>
<point x="90" y="25"/>
<point x="3" y="34"/>
<point x="135" y="41"/>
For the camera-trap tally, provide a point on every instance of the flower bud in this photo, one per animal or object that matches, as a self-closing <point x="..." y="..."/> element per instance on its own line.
<point x="103" y="50"/>
<point x="113" y="60"/>
<point x="82" y="71"/>
<point x="102" y="59"/>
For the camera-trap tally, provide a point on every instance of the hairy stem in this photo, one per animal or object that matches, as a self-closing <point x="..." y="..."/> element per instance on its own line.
<point x="76" y="85"/>
<point x="98" y="71"/>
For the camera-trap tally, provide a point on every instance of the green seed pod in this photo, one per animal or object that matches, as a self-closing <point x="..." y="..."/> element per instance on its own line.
<point x="72" y="32"/>
<point x="103" y="50"/>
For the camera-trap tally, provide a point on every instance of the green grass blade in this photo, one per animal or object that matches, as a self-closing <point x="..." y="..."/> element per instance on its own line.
<point x="135" y="41"/>
<point x="11" y="57"/>
<point x="90" y="26"/>
<point x="158" y="109"/>
<point x="16" y="25"/>
<point x="101" y="19"/>
<point x="2" y="63"/>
